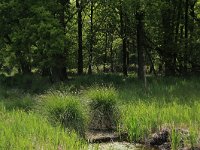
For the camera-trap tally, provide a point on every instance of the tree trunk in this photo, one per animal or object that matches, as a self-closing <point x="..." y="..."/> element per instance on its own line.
<point x="186" y="36"/>
<point x="111" y="55"/>
<point x="80" y="41"/>
<point x="91" y="38"/>
<point x="105" y="52"/>
<point x="177" y="29"/>
<point x="168" y="48"/>
<point x="192" y="51"/>
<point x="140" y="43"/>
<point x="25" y="67"/>
<point x="124" y="40"/>
<point x="61" y="70"/>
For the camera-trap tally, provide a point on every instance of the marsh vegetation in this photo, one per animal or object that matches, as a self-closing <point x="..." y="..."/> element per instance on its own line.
<point x="60" y="115"/>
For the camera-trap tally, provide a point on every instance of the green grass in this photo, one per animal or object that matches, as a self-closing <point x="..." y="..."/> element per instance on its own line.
<point x="21" y="131"/>
<point x="167" y="102"/>
<point x="62" y="109"/>
<point x="103" y="106"/>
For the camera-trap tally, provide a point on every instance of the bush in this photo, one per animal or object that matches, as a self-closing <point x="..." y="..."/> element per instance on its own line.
<point x="103" y="102"/>
<point x="65" y="110"/>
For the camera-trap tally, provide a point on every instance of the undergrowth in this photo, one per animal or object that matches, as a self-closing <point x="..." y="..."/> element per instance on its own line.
<point x="166" y="102"/>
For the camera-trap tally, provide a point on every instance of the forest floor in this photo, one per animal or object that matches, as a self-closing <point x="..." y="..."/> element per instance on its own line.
<point x="35" y="114"/>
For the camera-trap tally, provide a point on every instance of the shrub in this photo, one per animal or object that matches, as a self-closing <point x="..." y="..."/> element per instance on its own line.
<point x="103" y="107"/>
<point x="65" y="110"/>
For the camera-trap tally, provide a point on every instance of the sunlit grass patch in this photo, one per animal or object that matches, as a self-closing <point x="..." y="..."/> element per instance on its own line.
<point x="141" y="119"/>
<point x="20" y="131"/>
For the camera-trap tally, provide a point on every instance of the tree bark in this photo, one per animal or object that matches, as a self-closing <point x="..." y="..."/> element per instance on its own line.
<point x="80" y="37"/>
<point x="60" y="71"/>
<point x="186" y="36"/>
<point x="124" y="40"/>
<point x="111" y="55"/>
<point x="168" y="48"/>
<point x="105" y="52"/>
<point x="140" y="43"/>
<point x="91" y="38"/>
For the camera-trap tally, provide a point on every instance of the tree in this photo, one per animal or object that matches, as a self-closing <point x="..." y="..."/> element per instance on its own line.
<point x="91" y="37"/>
<point x="140" y="45"/>
<point x="80" y="40"/>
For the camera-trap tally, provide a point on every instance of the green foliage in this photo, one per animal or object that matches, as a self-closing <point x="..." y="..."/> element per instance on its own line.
<point x="63" y="110"/>
<point x="28" y="26"/>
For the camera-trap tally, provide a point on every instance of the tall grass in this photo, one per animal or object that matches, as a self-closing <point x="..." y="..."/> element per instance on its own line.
<point x="167" y="102"/>
<point x="65" y="110"/>
<point x="141" y="119"/>
<point x="21" y="131"/>
<point x="16" y="99"/>
<point x="103" y="105"/>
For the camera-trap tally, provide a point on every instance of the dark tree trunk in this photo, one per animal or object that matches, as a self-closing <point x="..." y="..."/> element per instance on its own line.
<point x="60" y="71"/>
<point x="186" y="36"/>
<point x="46" y="72"/>
<point x="25" y="67"/>
<point x="168" y="48"/>
<point x="124" y="40"/>
<point x="177" y="29"/>
<point x="128" y="53"/>
<point x="111" y="55"/>
<point x="193" y="62"/>
<point x="125" y="72"/>
<point x="105" y="52"/>
<point x="151" y="61"/>
<point x="91" y="38"/>
<point x="80" y="41"/>
<point x="140" y="44"/>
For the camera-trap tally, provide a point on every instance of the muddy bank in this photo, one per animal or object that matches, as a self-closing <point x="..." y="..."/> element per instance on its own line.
<point x="112" y="141"/>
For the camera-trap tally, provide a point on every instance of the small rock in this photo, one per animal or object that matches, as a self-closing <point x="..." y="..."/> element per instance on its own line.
<point x="165" y="146"/>
<point x="195" y="148"/>
<point x="160" y="138"/>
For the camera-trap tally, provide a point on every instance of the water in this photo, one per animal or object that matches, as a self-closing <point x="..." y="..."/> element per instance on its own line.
<point x="118" y="146"/>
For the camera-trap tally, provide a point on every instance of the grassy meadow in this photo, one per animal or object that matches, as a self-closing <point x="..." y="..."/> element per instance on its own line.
<point x="35" y="114"/>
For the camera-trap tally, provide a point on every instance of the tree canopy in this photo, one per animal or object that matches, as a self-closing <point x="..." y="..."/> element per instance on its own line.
<point x="55" y="37"/>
